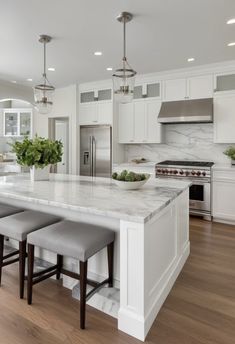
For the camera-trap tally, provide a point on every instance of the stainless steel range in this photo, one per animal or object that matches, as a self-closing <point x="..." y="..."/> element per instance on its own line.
<point x="199" y="172"/>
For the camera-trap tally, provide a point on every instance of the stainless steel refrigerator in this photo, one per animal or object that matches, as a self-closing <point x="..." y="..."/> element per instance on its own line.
<point x="96" y="151"/>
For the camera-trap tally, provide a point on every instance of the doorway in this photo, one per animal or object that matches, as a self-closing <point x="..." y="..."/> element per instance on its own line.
<point x="59" y="130"/>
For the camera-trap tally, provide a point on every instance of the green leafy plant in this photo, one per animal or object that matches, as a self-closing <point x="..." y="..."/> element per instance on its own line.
<point x="38" y="152"/>
<point x="126" y="176"/>
<point x="230" y="152"/>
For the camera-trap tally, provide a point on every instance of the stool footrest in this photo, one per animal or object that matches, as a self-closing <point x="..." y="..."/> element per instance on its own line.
<point x="14" y="253"/>
<point x="12" y="261"/>
<point x="44" y="277"/>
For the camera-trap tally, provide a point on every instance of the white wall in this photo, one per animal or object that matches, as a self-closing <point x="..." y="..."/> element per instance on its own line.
<point x="9" y="90"/>
<point x="64" y="105"/>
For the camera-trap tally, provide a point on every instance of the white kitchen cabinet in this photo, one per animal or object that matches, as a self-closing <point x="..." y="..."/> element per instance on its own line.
<point x="199" y="87"/>
<point x="224" y="118"/>
<point x="223" y="183"/>
<point x="175" y="89"/>
<point x="148" y="90"/>
<point x="138" y="122"/>
<point x="17" y="122"/>
<point x="126" y="123"/>
<point x="96" y="113"/>
<point x="196" y="87"/>
<point x="224" y="82"/>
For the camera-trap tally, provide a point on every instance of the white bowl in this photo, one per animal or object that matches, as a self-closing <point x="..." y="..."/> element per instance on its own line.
<point x="131" y="185"/>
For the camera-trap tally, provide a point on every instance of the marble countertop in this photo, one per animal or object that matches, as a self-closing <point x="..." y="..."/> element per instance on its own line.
<point x="98" y="196"/>
<point x="223" y="167"/>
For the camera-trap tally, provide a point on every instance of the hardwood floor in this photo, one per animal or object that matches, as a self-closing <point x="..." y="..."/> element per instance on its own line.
<point x="199" y="310"/>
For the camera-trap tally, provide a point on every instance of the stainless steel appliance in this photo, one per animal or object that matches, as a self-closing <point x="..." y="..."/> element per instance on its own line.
<point x="187" y="111"/>
<point x="96" y="151"/>
<point x="199" y="173"/>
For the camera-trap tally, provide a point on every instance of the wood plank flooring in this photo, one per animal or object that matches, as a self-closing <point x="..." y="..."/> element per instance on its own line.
<point x="199" y="310"/>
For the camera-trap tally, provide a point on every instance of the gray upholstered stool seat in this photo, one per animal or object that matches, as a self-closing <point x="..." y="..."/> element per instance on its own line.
<point x="72" y="239"/>
<point x="7" y="210"/>
<point x="17" y="226"/>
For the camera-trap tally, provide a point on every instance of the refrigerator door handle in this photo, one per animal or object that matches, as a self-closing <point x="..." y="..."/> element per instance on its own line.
<point x="94" y="156"/>
<point x="91" y="156"/>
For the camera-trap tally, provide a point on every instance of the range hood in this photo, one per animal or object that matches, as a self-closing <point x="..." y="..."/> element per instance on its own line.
<point x="187" y="111"/>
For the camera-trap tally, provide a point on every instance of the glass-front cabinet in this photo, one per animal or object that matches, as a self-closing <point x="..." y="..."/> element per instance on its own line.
<point x="17" y="122"/>
<point x="225" y="82"/>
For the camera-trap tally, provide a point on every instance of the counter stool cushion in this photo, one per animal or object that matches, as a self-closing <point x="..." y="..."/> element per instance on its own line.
<point x="73" y="239"/>
<point x="7" y="210"/>
<point x="17" y="226"/>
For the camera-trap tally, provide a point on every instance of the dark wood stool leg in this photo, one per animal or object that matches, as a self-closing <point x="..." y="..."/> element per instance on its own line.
<point x="1" y="255"/>
<point x="110" y="249"/>
<point x="30" y="272"/>
<point x="83" y="284"/>
<point x="22" y="257"/>
<point x="60" y="265"/>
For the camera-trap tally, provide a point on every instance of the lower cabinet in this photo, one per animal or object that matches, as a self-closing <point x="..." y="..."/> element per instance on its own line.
<point x="223" y="189"/>
<point x="138" y="122"/>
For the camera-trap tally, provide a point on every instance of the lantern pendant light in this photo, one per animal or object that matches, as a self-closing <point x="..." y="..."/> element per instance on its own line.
<point x="124" y="78"/>
<point x="44" y="92"/>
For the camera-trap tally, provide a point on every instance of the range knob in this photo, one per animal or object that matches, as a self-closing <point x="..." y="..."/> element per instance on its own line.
<point x="166" y="170"/>
<point x="175" y="172"/>
<point x="198" y="173"/>
<point x="204" y="174"/>
<point x="159" y="170"/>
<point x="170" y="171"/>
<point x="187" y="173"/>
<point x="193" y="173"/>
<point x="181" y="172"/>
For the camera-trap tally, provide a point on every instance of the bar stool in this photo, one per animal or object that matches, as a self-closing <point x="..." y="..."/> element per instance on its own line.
<point x="72" y="239"/>
<point x="17" y="227"/>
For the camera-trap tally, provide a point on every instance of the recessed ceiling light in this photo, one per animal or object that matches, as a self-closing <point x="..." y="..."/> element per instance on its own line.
<point x="231" y="44"/>
<point x="191" y="59"/>
<point x="231" y="21"/>
<point x="13" y="81"/>
<point x="109" y="68"/>
<point x="98" y="53"/>
<point x="51" y="69"/>
<point x="29" y="79"/>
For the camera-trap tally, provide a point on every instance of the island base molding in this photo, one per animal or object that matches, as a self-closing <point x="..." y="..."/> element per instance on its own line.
<point x="151" y="258"/>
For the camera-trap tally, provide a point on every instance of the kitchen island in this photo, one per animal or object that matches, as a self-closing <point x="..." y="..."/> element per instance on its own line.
<point x="152" y="233"/>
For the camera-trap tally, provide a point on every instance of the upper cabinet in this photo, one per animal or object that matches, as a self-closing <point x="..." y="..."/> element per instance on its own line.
<point x="17" y="122"/>
<point x="96" y="107"/>
<point x="147" y="90"/>
<point x="138" y="122"/>
<point x="96" y="113"/>
<point x="196" y="87"/>
<point x="225" y="82"/>
<point x="224" y="118"/>
<point x="96" y="95"/>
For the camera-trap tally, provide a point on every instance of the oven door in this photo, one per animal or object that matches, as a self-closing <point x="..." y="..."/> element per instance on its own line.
<point x="199" y="196"/>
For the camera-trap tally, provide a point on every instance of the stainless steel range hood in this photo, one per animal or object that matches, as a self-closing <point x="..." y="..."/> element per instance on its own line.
<point x="187" y="111"/>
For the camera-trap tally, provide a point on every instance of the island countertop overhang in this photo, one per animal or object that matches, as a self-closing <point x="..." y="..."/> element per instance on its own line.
<point x="97" y="196"/>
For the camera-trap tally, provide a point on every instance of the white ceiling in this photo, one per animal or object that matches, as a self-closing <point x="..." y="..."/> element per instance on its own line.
<point x="163" y="34"/>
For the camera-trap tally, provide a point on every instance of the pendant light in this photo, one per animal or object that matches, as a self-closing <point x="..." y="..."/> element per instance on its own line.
<point x="43" y="93"/>
<point x="124" y="78"/>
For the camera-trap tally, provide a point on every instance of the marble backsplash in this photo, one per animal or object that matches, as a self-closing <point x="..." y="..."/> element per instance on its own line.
<point x="181" y="141"/>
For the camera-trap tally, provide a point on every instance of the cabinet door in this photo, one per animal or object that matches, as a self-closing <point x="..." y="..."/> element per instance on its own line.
<point x="88" y="114"/>
<point x="224" y="207"/>
<point x="224" y="119"/>
<point x="10" y="123"/>
<point x="25" y="123"/>
<point x="153" y="128"/>
<point x="175" y="89"/>
<point x="200" y="87"/>
<point x="105" y="113"/>
<point x="225" y="82"/>
<point x="139" y="121"/>
<point x="126" y="123"/>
